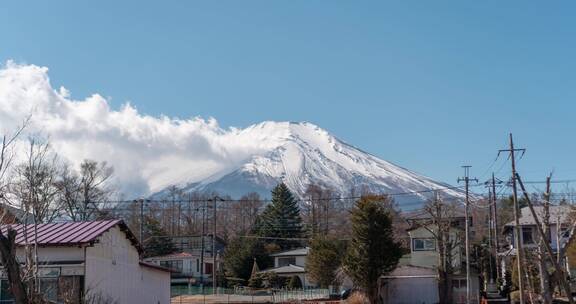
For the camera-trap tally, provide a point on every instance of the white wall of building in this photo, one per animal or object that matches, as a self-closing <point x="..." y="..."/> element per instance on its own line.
<point x="430" y="258"/>
<point x="536" y="236"/>
<point x="55" y="254"/>
<point x="113" y="269"/>
<point x="299" y="260"/>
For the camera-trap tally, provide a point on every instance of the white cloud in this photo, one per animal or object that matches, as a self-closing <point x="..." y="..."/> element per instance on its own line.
<point x="147" y="153"/>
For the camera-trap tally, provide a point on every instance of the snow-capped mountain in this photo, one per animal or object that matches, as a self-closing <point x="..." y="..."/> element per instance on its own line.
<point x="301" y="154"/>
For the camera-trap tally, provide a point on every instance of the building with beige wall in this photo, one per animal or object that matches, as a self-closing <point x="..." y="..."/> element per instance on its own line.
<point x="97" y="259"/>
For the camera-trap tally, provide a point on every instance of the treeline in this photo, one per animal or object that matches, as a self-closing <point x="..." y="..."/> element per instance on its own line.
<point x="44" y="188"/>
<point x="370" y="249"/>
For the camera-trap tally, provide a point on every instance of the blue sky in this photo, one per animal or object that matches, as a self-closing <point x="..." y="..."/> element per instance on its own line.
<point x="428" y="85"/>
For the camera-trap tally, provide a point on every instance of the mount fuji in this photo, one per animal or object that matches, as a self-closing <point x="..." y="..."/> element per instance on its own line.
<point x="302" y="154"/>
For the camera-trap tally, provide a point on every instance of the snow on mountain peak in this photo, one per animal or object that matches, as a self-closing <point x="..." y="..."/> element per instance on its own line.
<point x="300" y="154"/>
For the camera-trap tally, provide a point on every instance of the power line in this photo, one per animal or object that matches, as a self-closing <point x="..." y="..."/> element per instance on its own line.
<point x="428" y="190"/>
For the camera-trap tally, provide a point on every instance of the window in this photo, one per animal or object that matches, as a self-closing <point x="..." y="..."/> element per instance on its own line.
<point x="5" y="294"/>
<point x="286" y="261"/>
<point x="527" y="237"/>
<point x="49" y="288"/>
<point x="423" y="244"/>
<point x="208" y="268"/>
<point x="197" y="265"/>
<point x="458" y="283"/>
<point x="175" y="265"/>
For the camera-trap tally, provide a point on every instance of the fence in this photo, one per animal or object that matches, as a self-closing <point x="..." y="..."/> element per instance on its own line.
<point x="280" y="296"/>
<point x="195" y="294"/>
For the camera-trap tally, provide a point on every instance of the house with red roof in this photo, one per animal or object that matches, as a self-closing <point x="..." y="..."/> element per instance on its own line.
<point x="90" y="260"/>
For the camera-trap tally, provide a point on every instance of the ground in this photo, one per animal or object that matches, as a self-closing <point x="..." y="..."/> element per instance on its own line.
<point x="221" y="299"/>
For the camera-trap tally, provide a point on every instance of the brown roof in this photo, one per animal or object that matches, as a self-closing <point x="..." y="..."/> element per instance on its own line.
<point x="154" y="266"/>
<point x="67" y="233"/>
<point x="174" y="255"/>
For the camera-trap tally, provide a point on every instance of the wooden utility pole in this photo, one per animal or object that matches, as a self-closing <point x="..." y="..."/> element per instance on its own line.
<point x="202" y="247"/>
<point x="494" y="204"/>
<point x="214" y="201"/>
<point x="467" y="180"/>
<point x="141" y="221"/>
<point x="214" y="248"/>
<point x="557" y="267"/>
<point x="490" y="237"/>
<point x="517" y="229"/>
<point x="496" y="233"/>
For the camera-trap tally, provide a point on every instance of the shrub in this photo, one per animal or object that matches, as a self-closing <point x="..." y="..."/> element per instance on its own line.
<point x="357" y="298"/>
<point x="294" y="282"/>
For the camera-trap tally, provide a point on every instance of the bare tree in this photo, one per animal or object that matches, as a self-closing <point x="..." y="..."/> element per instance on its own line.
<point x="12" y="267"/>
<point x="7" y="154"/>
<point x="34" y="188"/>
<point x="8" y="240"/>
<point x="82" y="194"/>
<point x="35" y="181"/>
<point x="544" y="262"/>
<point x="441" y="226"/>
<point x="249" y="205"/>
<point x="318" y="209"/>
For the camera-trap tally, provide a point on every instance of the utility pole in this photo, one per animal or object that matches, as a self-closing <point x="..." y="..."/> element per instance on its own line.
<point x="202" y="247"/>
<point x="466" y="179"/>
<point x="490" y="236"/>
<point x="517" y="230"/>
<point x="495" y="217"/>
<point x="141" y="221"/>
<point x="172" y="215"/>
<point x="179" y="222"/>
<point x="214" y="249"/>
<point x="214" y="260"/>
<point x="312" y="204"/>
<point x="493" y="231"/>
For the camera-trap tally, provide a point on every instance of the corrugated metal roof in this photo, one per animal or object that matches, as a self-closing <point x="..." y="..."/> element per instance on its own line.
<point x="67" y="233"/>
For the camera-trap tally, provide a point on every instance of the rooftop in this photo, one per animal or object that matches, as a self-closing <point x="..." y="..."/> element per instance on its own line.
<point x="178" y="255"/>
<point x="286" y="269"/>
<point x="450" y="211"/>
<point x="557" y="213"/>
<point x="293" y="252"/>
<point x="66" y="233"/>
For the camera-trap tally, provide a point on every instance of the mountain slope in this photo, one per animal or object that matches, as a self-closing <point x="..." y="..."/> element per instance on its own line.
<point x="301" y="154"/>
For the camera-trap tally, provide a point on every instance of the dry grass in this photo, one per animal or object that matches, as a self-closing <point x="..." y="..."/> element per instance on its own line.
<point x="358" y="298"/>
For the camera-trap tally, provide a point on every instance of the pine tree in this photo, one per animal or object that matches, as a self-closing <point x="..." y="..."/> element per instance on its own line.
<point x="281" y="219"/>
<point x="294" y="282"/>
<point x="156" y="245"/>
<point x="240" y="256"/>
<point x="323" y="260"/>
<point x="372" y="251"/>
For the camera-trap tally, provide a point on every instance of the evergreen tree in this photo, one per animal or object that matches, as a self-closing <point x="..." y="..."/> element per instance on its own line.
<point x="242" y="255"/>
<point x="323" y="260"/>
<point x="372" y="251"/>
<point x="281" y="219"/>
<point x="155" y="245"/>
<point x="294" y="282"/>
